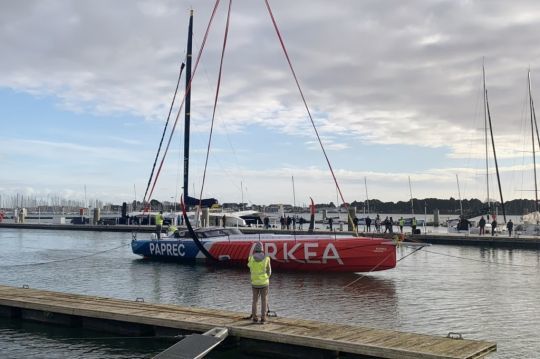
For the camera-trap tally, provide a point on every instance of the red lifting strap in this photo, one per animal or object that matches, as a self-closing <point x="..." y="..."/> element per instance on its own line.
<point x="304" y="100"/>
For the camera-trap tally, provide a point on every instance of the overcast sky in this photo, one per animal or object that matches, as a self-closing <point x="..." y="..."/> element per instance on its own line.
<point x="395" y="88"/>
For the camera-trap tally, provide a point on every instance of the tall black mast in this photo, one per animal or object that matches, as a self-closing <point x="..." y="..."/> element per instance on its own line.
<point x="486" y="135"/>
<point x="533" y="122"/>
<point x="495" y="156"/>
<point x="188" y="107"/>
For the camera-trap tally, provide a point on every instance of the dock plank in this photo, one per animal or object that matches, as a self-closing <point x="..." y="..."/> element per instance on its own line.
<point x="378" y="343"/>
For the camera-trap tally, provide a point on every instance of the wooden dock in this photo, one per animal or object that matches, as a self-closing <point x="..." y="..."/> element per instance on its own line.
<point x="284" y="336"/>
<point x="82" y="227"/>
<point x="497" y="241"/>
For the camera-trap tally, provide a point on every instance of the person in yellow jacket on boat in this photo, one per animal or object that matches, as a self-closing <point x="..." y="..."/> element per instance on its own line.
<point x="159" y="224"/>
<point x="261" y="270"/>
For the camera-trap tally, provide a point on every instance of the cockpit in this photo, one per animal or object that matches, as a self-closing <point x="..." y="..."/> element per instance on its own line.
<point x="209" y="232"/>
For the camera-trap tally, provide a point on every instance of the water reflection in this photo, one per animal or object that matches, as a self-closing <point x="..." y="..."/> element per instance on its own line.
<point x="28" y="339"/>
<point x="306" y="295"/>
<point x="484" y="293"/>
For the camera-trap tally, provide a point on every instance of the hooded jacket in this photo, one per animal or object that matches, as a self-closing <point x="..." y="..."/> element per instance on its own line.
<point x="259" y="267"/>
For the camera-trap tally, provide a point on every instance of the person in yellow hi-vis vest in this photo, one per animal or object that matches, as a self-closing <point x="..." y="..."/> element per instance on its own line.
<point x="159" y="224"/>
<point x="261" y="270"/>
<point x="401" y="224"/>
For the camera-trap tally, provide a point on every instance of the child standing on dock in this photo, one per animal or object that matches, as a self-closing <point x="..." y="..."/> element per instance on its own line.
<point x="260" y="270"/>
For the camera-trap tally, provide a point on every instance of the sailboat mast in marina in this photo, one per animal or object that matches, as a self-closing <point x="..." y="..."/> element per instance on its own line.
<point x="459" y="194"/>
<point x="410" y="192"/>
<point x="493" y="147"/>
<point x="533" y="126"/>
<point x="188" y="106"/>
<point x="367" y="198"/>
<point x="486" y="136"/>
<point x="534" y="217"/>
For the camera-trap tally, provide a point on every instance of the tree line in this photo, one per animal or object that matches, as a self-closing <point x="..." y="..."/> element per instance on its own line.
<point x="472" y="206"/>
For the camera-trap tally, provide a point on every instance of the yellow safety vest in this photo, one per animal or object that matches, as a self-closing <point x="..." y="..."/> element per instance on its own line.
<point x="414" y="222"/>
<point x="401" y="222"/>
<point x="259" y="277"/>
<point x="159" y="219"/>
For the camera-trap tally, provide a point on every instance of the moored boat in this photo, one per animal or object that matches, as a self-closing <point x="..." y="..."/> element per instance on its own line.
<point x="230" y="247"/>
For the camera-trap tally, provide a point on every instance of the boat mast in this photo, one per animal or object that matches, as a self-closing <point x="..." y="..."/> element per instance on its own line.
<point x="188" y="106"/>
<point x="533" y="121"/>
<point x="367" y="198"/>
<point x="495" y="158"/>
<point x="293" y="193"/>
<point x="486" y="134"/>
<point x="459" y="194"/>
<point x="242" y="191"/>
<point x="410" y="191"/>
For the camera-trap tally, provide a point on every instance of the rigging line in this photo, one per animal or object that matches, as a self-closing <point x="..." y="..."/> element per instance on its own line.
<point x="533" y="111"/>
<point x="216" y="99"/>
<point x="523" y="127"/>
<point x="495" y="157"/>
<point x="405" y="256"/>
<point x="485" y="133"/>
<point x="164" y="131"/>
<point x="479" y="260"/>
<point x="533" y="123"/>
<point x="225" y="168"/>
<point x="64" y="260"/>
<point x="306" y="106"/>
<point x="365" y="275"/>
<point x="188" y="89"/>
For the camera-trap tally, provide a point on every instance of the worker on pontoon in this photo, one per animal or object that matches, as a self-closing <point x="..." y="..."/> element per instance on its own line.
<point x="260" y="269"/>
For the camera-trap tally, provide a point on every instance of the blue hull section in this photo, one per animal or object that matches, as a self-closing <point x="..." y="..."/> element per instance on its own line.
<point x="181" y="251"/>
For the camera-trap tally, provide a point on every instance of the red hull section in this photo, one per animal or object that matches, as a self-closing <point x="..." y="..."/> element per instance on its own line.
<point x="327" y="255"/>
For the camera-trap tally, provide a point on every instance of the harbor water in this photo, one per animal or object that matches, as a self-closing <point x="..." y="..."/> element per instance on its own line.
<point x="482" y="293"/>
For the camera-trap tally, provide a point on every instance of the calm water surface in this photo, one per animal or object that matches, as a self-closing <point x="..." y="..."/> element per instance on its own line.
<point x="487" y="294"/>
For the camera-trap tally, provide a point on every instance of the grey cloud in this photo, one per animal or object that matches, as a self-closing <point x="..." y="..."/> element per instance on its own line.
<point x="417" y="64"/>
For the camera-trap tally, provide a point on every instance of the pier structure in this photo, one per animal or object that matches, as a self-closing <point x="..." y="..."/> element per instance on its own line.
<point x="280" y="337"/>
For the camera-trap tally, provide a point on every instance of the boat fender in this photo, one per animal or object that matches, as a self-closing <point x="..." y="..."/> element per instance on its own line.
<point x="270" y="313"/>
<point x="454" y="335"/>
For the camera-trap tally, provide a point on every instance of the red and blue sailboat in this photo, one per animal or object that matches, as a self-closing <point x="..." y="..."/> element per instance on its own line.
<point x="230" y="247"/>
